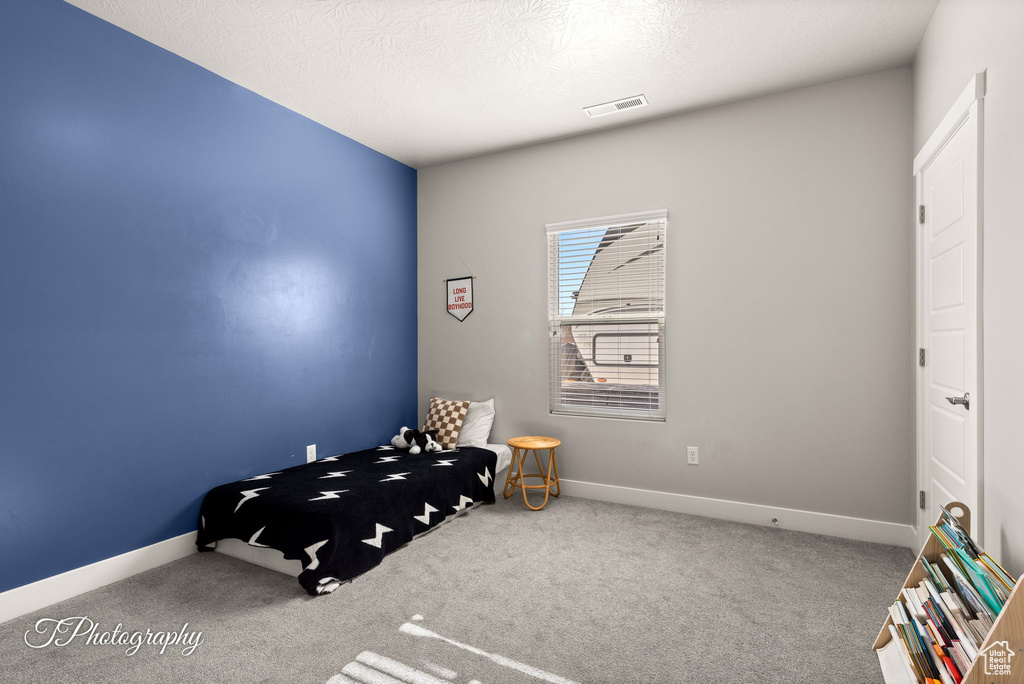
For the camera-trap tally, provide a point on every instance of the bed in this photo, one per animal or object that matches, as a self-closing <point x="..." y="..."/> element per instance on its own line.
<point x="331" y="520"/>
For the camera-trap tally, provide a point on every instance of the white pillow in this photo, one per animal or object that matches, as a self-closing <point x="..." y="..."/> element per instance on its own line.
<point x="476" y="426"/>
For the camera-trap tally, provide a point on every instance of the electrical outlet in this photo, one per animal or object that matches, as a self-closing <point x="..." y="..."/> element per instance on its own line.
<point x="311" y="453"/>
<point x="691" y="456"/>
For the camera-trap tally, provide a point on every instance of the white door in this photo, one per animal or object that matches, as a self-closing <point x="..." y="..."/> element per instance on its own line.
<point x="949" y="388"/>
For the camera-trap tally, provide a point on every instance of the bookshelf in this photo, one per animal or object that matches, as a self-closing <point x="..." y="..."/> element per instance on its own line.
<point x="1008" y="627"/>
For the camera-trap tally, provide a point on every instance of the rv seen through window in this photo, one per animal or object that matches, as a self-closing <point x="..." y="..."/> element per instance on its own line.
<point x="607" y="316"/>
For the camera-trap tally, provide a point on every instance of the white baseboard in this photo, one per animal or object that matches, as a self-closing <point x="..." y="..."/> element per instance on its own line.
<point x="31" y="597"/>
<point x="789" y="519"/>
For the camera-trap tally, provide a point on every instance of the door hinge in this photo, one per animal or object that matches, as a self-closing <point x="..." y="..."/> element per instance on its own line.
<point x="920" y="499"/>
<point x="920" y="214"/>
<point x="920" y="357"/>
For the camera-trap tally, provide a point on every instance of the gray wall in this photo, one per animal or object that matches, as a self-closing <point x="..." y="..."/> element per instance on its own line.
<point x="790" y="295"/>
<point x="966" y="37"/>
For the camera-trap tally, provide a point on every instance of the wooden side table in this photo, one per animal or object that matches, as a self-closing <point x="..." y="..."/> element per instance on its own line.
<point x="521" y="445"/>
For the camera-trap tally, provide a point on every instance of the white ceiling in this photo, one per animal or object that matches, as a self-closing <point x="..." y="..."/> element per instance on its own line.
<point x="430" y="81"/>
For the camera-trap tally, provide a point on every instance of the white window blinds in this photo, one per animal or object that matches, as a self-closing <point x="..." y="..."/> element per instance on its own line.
<point x="607" y="316"/>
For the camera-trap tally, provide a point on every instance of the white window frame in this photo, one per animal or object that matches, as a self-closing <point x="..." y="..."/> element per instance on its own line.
<point x="557" y="403"/>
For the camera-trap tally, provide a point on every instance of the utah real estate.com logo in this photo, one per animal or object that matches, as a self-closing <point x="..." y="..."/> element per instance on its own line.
<point x="998" y="659"/>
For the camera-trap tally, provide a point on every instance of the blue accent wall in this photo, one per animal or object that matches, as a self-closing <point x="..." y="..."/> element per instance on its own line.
<point x="195" y="283"/>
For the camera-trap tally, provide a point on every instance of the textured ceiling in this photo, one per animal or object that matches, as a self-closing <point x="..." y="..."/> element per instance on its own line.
<point x="430" y="81"/>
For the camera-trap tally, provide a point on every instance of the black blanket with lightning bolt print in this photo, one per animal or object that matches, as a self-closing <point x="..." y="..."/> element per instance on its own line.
<point x="341" y="515"/>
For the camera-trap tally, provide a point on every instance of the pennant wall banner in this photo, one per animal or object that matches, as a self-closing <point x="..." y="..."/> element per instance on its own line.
<point x="460" y="296"/>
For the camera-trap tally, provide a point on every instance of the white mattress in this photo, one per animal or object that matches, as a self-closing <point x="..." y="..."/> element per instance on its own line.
<point x="274" y="559"/>
<point x="504" y="456"/>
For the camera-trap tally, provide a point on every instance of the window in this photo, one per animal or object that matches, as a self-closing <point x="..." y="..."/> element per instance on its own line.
<point x="607" y="316"/>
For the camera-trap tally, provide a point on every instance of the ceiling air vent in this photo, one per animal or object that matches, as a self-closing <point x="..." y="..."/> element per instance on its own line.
<point x="616" y="106"/>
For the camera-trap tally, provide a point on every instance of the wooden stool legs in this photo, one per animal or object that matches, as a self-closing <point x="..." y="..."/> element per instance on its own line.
<point x="516" y="476"/>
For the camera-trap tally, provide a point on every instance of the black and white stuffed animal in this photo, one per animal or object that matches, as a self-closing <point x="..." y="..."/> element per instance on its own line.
<point x="415" y="441"/>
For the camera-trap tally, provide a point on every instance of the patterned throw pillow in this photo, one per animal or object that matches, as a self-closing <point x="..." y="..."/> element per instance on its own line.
<point x="446" y="417"/>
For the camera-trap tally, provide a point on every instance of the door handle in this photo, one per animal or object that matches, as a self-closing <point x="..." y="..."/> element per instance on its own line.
<point x="964" y="401"/>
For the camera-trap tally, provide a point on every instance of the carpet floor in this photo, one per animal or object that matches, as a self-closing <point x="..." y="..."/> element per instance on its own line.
<point x="582" y="592"/>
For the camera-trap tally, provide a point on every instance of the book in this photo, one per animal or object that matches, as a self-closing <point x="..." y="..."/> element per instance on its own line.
<point x="940" y="579"/>
<point x="997" y="584"/>
<point x="910" y="637"/>
<point x="968" y="593"/>
<point x="998" y="570"/>
<point x="979" y="581"/>
<point x="952" y="524"/>
<point x="951" y="667"/>
<point x="964" y="635"/>
<point x="959" y="656"/>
